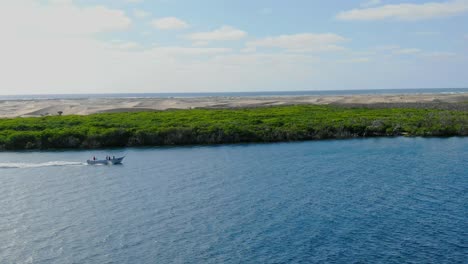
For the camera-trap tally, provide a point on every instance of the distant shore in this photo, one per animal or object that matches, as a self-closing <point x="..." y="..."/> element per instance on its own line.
<point x="52" y="107"/>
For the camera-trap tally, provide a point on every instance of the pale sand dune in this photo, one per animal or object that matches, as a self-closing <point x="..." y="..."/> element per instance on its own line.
<point x="15" y="108"/>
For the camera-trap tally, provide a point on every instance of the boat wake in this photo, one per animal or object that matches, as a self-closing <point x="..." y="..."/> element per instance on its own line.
<point x="14" y="165"/>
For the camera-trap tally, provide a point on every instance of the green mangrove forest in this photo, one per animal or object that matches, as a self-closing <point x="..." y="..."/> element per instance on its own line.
<point x="216" y="126"/>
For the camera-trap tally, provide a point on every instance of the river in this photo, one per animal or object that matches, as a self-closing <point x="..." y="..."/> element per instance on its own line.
<point x="385" y="200"/>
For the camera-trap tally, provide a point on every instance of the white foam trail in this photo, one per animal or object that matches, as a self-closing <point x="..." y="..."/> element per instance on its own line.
<point x="39" y="165"/>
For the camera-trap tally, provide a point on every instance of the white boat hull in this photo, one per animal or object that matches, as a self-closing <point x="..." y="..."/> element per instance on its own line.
<point x="106" y="162"/>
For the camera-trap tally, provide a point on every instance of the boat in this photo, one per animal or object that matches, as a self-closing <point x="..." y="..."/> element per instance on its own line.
<point x="112" y="161"/>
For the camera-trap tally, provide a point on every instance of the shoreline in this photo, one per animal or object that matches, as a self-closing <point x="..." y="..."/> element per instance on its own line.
<point x="201" y="145"/>
<point x="87" y="106"/>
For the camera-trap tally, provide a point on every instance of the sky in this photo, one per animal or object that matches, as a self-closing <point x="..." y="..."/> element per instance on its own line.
<point x="151" y="46"/>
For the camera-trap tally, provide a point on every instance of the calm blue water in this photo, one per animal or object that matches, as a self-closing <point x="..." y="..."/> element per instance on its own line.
<point x="392" y="200"/>
<point x="242" y="94"/>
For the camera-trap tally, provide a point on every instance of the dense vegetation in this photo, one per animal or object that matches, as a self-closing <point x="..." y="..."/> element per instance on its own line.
<point x="209" y="126"/>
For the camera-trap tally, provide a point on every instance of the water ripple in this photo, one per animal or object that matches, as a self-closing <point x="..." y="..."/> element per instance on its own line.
<point x="351" y="201"/>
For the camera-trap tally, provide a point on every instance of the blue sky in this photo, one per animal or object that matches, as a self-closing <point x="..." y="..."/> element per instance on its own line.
<point x="87" y="46"/>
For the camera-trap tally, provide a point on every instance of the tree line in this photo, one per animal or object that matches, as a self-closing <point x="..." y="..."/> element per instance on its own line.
<point x="218" y="126"/>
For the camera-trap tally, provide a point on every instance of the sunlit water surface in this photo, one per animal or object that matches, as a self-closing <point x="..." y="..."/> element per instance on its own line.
<point x="393" y="200"/>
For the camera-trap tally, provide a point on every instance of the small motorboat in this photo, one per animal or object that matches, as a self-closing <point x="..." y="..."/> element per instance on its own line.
<point x="111" y="161"/>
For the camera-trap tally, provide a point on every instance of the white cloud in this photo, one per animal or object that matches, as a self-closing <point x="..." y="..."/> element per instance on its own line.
<point x="390" y="51"/>
<point x="124" y="45"/>
<point x="186" y="51"/>
<point x="356" y="60"/>
<point x="64" y="18"/>
<point x="68" y="57"/>
<point x="305" y="42"/>
<point x="60" y="2"/>
<point x="48" y="46"/>
<point x="169" y="23"/>
<point x="370" y="3"/>
<point x="57" y="48"/>
<point x="396" y="50"/>
<point x="407" y="11"/>
<point x="439" y="55"/>
<point x="200" y="43"/>
<point x="134" y="1"/>
<point x="223" y="33"/>
<point x="139" y="13"/>
<point x="407" y="51"/>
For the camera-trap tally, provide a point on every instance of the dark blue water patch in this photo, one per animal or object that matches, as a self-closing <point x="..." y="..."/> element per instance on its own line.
<point x="240" y="94"/>
<point x="387" y="200"/>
